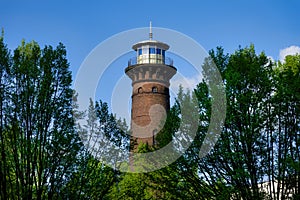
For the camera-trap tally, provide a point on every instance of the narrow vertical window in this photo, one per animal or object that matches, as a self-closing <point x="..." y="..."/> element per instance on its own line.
<point x="145" y="50"/>
<point x="140" y="51"/>
<point x="158" y="51"/>
<point x="152" y="50"/>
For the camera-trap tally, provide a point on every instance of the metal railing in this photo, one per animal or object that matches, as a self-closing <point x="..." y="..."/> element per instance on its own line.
<point x="150" y="60"/>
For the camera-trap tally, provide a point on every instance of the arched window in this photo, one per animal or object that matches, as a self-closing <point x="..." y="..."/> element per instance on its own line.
<point x="140" y="90"/>
<point x="154" y="89"/>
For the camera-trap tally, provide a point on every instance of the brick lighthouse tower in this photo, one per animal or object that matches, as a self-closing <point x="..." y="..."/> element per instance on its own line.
<point x="150" y="72"/>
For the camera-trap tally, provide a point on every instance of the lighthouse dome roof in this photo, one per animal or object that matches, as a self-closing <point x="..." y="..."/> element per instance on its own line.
<point x="156" y="43"/>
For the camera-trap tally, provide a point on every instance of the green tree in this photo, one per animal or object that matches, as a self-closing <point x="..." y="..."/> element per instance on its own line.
<point x="40" y="142"/>
<point x="257" y="154"/>
<point x="285" y="163"/>
<point x="168" y="182"/>
<point x="93" y="178"/>
<point x="5" y="81"/>
<point x="235" y="166"/>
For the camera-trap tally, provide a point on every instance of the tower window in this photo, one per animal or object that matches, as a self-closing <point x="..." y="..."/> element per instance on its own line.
<point x="163" y="53"/>
<point x="140" y="90"/>
<point x="152" y="50"/>
<point x="154" y="89"/>
<point x="140" y="51"/>
<point x="145" y="50"/>
<point x="158" y="51"/>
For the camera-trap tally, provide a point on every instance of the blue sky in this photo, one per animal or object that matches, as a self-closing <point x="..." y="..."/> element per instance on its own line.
<point x="81" y="25"/>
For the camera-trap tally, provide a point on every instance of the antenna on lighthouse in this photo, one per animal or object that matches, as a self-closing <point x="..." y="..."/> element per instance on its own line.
<point x="150" y="32"/>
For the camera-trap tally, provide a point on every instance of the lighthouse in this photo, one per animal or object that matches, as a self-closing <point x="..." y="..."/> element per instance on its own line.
<point x="150" y="72"/>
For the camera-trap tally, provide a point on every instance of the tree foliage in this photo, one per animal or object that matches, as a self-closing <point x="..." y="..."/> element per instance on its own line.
<point x="257" y="154"/>
<point x="38" y="141"/>
<point x="46" y="154"/>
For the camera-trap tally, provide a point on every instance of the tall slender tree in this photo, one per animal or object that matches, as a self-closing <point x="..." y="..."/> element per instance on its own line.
<point x="38" y="138"/>
<point x="5" y="82"/>
<point x="285" y="164"/>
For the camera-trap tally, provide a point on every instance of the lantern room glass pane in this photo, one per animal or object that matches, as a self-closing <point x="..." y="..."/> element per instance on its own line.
<point x="152" y="50"/>
<point x="158" y="51"/>
<point x="140" y="51"/>
<point x="145" y="50"/>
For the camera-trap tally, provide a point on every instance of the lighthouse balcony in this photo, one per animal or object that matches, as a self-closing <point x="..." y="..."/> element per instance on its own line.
<point x="150" y="59"/>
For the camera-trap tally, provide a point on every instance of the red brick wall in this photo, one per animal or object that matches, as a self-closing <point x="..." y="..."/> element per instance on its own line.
<point x="141" y="104"/>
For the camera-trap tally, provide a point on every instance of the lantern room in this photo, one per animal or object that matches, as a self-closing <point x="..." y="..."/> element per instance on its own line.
<point x="150" y="52"/>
